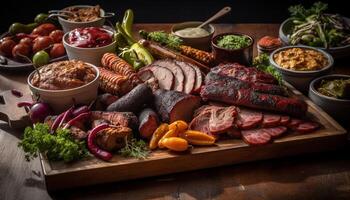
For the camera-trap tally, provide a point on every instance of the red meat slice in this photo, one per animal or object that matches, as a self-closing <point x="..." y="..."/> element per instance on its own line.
<point x="275" y="131"/>
<point x="201" y="123"/>
<point x="293" y="123"/>
<point x="222" y="119"/>
<point x="256" y="137"/>
<point x="307" y="127"/>
<point x="284" y="120"/>
<point x="271" y="120"/>
<point x="164" y="76"/>
<point x="234" y="133"/>
<point x="248" y="119"/>
<point x="179" y="78"/>
<point x="190" y="76"/>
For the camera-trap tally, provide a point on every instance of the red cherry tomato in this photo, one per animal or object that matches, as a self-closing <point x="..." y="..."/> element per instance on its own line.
<point x="44" y="29"/>
<point x="27" y="41"/>
<point x="41" y="43"/>
<point x="56" y="36"/>
<point x="21" y="49"/>
<point x="6" y="47"/>
<point x="57" y="50"/>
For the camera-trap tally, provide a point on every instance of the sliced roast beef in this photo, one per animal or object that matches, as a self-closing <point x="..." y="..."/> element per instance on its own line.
<point x="250" y="74"/>
<point x="164" y="76"/>
<point x="222" y="119"/>
<point x="179" y="78"/>
<point x="199" y="79"/>
<point x="271" y="120"/>
<point x="148" y="77"/>
<point x="293" y="123"/>
<point x="190" y="76"/>
<point x="201" y="123"/>
<point x="234" y="133"/>
<point x="172" y="105"/>
<point x="248" y="119"/>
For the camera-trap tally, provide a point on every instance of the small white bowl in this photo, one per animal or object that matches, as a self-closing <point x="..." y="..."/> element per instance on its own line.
<point x="89" y="55"/>
<point x="301" y="79"/>
<point x="61" y="100"/>
<point x="70" y="25"/>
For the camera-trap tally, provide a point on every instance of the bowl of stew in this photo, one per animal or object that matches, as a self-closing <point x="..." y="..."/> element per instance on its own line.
<point x="233" y="47"/>
<point x="64" y="83"/>
<point x="83" y="16"/>
<point x="89" y="44"/>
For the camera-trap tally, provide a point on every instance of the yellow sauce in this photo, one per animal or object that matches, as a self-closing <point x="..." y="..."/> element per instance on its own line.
<point x="300" y="59"/>
<point x="192" y="32"/>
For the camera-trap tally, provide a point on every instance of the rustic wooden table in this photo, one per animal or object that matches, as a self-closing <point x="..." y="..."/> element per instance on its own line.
<point x="314" y="176"/>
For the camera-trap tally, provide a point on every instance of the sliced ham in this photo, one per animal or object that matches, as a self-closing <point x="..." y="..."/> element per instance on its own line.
<point x="248" y="119"/>
<point x="271" y="120"/>
<point x="164" y="76"/>
<point x="190" y="76"/>
<point x="176" y="70"/>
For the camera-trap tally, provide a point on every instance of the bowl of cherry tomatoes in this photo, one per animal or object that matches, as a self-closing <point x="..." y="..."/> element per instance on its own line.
<point x="17" y="50"/>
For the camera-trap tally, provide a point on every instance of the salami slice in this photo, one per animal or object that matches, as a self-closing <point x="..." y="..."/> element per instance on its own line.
<point x="275" y="131"/>
<point x="248" y="119"/>
<point x="271" y="120"/>
<point x="256" y="137"/>
<point x="293" y="123"/>
<point x="284" y="120"/>
<point x="307" y="127"/>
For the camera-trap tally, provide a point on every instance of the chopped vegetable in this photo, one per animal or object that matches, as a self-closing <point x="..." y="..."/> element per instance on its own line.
<point x="338" y="88"/>
<point x="136" y="149"/>
<point x="262" y="63"/>
<point x="233" y="41"/>
<point x="313" y="27"/>
<point x="60" y="146"/>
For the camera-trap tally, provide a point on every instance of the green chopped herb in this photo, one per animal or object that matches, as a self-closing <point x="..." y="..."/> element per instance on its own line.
<point x="136" y="149"/>
<point x="58" y="146"/>
<point x="233" y="41"/>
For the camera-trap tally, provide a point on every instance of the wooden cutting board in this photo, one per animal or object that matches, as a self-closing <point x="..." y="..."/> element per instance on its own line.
<point x="58" y="175"/>
<point x="16" y="117"/>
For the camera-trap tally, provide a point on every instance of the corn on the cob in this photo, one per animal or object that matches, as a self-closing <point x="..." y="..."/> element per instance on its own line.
<point x="199" y="55"/>
<point x="112" y="62"/>
<point x="114" y="83"/>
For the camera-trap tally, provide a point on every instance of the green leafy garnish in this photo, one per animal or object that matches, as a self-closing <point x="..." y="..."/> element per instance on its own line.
<point x="262" y="62"/>
<point x="169" y="40"/>
<point x="58" y="146"/>
<point x="136" y="149"/>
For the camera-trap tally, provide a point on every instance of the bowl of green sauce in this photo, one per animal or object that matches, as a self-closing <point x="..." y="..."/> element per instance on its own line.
<point x="233" y="47"/>
<point x="332" y="94"/>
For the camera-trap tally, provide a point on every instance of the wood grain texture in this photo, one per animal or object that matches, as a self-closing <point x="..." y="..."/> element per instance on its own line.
<point x="311" y="176"/>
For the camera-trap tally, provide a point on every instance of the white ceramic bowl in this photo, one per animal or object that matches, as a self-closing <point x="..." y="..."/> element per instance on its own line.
<point x="69" y="25"/>
<point x="89" y="55"/>
<point x="301" y="79"/>
<point x="61" y="100"/>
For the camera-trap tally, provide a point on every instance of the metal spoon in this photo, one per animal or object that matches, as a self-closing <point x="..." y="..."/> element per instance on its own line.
<point x="219" y="14"/>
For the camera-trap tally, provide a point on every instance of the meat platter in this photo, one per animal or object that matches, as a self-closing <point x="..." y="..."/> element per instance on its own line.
<point x="124" y="108"/>
<point x="232" y="151"/>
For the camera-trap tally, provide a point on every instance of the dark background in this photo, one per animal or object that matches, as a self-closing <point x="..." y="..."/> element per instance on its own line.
<point x="163" y="11"/>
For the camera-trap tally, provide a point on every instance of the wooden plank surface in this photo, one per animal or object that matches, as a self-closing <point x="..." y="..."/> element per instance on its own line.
<point x="312" y="176"/>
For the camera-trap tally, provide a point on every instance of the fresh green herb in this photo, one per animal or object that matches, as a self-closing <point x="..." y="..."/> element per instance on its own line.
<point x="58" y="146"/>
<point x="262" y="62"/>
<point x="169" y="40"/>
<point x="313" y="27"/>
<point x="233" y="41"/>
<point x="136" y="149"/>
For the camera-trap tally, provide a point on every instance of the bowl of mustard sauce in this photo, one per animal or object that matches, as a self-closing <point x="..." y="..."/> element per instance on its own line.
<point x="198" y="38"/>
